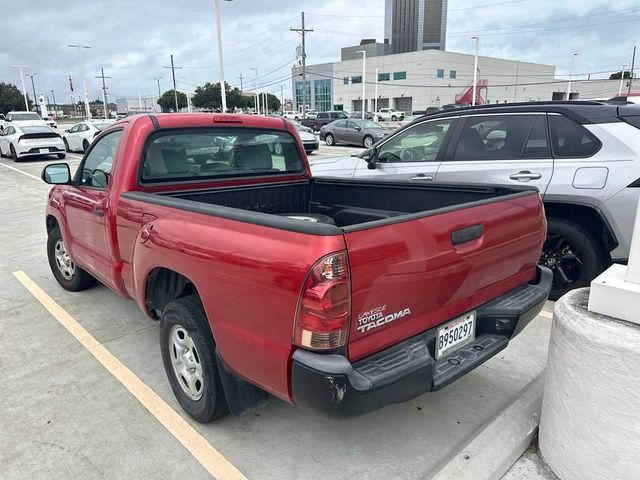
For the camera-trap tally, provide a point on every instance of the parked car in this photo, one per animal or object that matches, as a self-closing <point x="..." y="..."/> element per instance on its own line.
<point x="367" y="115"/>
<point x="80" y="136"/>
<point x="300" y="127"/>
<point x="20" y="141"/>
<point x="309" y="140"/>
<point x="265" y="279"/>
<point x="584" y="158"/>
<point x="323" y="118"/>
<point x="292" y="115"/>
<point x="312" y="114"/>
<point x="389" y="115"/>
<point x="24" y="119"/>
<point x="407" y="120"/>
<point x="354" y="132"/>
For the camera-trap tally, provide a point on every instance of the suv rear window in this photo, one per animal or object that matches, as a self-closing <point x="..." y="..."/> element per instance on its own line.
<point x="192" y="155"/>
<point x="570" y="140"/>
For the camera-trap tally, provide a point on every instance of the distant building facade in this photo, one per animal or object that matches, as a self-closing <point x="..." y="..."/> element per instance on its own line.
<point x="412" y="25"/>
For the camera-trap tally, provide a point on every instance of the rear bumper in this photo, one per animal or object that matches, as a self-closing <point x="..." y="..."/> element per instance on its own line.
<point x="311" y="146"/>
<point x="329" y="384"/>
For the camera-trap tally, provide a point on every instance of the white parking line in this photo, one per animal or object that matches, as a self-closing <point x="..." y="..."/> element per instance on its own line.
<point x="20" y="171"/>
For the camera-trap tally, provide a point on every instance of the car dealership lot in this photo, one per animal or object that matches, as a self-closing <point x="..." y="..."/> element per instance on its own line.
<point x="65" y="415"/>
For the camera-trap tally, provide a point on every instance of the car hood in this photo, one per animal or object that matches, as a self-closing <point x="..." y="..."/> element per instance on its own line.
<point x="335" y="166"/>
<point x="306" y="136"/>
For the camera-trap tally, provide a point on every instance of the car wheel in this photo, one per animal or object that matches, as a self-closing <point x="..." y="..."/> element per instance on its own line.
<point x="394" y="118"/>
<point x="329" y="139"/>
<point x="188" y="355"/>
<point x="14" y="155"/>
<point x="572" y="254"/>
<point x="66" y="145"/>
<point x="67" y="273"/>
<point x="368" y="141"/>
<point x="85" y="145"/>
<point x="308" y="152"/>
<point x="61" y="155"/>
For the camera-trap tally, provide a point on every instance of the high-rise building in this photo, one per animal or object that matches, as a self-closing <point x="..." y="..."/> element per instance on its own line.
<point x="412" y="25"/>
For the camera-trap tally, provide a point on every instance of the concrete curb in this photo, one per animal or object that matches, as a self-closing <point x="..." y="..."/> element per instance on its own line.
<point x="497" y="444"/>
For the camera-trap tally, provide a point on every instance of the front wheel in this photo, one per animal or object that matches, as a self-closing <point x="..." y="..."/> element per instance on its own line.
<point x="67" y="273"/>
<point x="368" y="142"/>
<point x="66" y="145"/>
<point x="188" y="355"/>
<point x="572" y="254"/>
<point x="394" y="118"/>
<point x="329" y="140"/>
<point x="85" y="145"/>
<point x="14" y="155"/>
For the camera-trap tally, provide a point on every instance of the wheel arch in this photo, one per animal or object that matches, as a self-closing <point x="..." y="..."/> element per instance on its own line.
<point x="587" y="216"/>
<point x="164" y="285"/>
<point x="51" y="223"/>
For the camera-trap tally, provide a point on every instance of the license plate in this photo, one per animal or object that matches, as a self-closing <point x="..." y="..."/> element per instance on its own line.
<point x="44" y="150"/>
<point x="455" y="334"/>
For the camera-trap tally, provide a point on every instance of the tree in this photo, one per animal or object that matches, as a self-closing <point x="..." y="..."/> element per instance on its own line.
<point x="616" y="75"/>
<point x="11" y="98"/>
<point x="209" y="97"/>
<point x="168" y="103"/>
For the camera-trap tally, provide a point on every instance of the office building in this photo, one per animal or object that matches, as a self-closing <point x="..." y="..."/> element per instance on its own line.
<point x="412" y="25"/>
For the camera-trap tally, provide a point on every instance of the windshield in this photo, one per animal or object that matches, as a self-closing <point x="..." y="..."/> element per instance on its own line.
<point x="219" y="153"/>
<point x="24" y="116"/>
<point x="367" y="124"/>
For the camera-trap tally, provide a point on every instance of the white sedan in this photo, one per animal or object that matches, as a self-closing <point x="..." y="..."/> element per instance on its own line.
<point x="24" y="141"/>
<point x="80" y="136"/>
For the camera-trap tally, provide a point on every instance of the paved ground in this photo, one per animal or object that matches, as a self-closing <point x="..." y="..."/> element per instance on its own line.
<point x="63" y="415"/>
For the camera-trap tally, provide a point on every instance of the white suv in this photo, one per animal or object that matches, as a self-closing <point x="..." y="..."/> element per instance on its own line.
<point x="584" y="157"/>
<point x="389" y="115"/>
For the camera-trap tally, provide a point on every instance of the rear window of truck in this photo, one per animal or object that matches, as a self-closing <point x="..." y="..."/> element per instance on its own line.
<point x="191" y="155"/>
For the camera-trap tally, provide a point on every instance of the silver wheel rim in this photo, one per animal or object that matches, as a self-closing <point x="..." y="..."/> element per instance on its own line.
<point x="185" y="361"/>
<point x="368" y="142"/>
<point x="329" y="140"/>
<point x="64" y="263"/>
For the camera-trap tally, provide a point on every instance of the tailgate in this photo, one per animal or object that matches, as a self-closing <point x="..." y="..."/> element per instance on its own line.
<point x="410" y="276"/>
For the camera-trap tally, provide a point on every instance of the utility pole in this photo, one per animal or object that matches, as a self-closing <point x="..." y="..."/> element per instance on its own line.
<point x="35" y="101"/>
<point x="241" y="78"/>
<point x="24" y="91"/>
<point x="55" y="105"/>
<point x="157" y="79"/>
<point x="173" y="74"/>
<point x="573" y="56"/>
<point x="633" y="64"/>
<point x="282" y="99"/>
<point x="105" y="105"/>
<point x="303" y="31"/>
<point x="515" y="89"/>
<point x="256" y="92"/>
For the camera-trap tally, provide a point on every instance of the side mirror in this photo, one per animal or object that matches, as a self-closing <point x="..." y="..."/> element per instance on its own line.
<point x="66" y="131"/>
<point x="369" y="156"/>
<point x="56" y="174"/>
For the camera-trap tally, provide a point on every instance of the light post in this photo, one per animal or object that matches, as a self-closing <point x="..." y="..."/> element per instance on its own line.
<point x="621" y="80"/>
<point x="256" y="92"/>
<point x="573" y="56"/>
<point x="157" y="79"/>
<point x="475" y="71"/>
<point x="364" y="84"/>
<point x="282" y="99"/>
<point x="87" y="110"/>
<point x="220" y="59"/>
<point x="35" y="101"/>
<point x="24" y="91"/>
<point x="55" y="105"/>
<point x="375" y="99"/>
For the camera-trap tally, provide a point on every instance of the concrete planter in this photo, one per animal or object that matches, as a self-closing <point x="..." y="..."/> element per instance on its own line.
<point x="590" y="421"/>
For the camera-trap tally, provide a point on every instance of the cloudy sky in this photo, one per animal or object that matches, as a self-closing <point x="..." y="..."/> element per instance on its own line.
<point x="132" y="39"/>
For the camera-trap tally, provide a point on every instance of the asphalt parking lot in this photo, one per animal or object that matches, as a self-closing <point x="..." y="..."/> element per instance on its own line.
<point x="67" y="413"/>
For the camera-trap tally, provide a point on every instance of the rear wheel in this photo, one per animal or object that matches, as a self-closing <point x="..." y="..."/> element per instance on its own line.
<point x="572" y="254"/>
<point x="85" y="145"/>
<point x="66" y="145"/>
<point x="188" y="354"/>
<point x="394" y="118"/>
<point x="67" y="273"/>
<point x="14" y="155"/>
<point x="368" y="142"/>
<point x="329" y="140"/>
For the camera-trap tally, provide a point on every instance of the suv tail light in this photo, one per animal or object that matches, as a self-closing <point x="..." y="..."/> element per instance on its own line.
<point x="324" y="307"/>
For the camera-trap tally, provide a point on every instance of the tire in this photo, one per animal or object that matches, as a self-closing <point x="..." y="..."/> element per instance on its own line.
<point x="329" y="139"/>
<point x="61" y="155"/>
<point x="184" y="324"/>
<point x="72" y="278"/>
<point x="308" y="152"/>
<point x="394" y="118"/>
<point x="66" y="145"/>
<point x="85" y="145"/>
<point x="367" y="141"/>
<point x="573" y="255"/>
<point x="14" y="155"/>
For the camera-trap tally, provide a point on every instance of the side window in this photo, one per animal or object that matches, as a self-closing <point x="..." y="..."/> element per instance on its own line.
<point x="83" y="128"/>
<point x="568" y="139"/>
<point x="502" y="137"/>
<point x="340" y="124"/>
<point x="97" y="164"/>
<point x="351" y="125"/>
<point x="420" y="143"/>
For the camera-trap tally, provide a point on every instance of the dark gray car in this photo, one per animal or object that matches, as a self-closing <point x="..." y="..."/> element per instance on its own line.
<point x="353" y="131"/>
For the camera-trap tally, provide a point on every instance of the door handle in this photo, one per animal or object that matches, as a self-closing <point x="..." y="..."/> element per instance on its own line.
<point x="467" y="234"/>
<point x="525" y="176"/>
<point x="423" y="177"/>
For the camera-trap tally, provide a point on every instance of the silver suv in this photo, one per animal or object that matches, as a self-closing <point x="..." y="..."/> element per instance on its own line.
<point x="584" y="157"/>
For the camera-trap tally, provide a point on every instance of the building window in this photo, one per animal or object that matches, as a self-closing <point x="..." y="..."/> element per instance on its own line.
<point x="357" y="79"/>
<point x="440" y="73"/>
<point x="399" y="75"/>
<point x="452" y="74"/>
<point x="322" y="89"/>
<point x="299" y="94"/>
<point x="345" y="80"/>
<point x="384" y="77"/>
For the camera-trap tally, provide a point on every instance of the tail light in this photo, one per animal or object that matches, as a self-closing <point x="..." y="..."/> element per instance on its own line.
<point x="324" y="307"/>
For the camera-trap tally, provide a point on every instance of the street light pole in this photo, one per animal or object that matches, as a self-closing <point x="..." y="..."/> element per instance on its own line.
<point x="55" y="105"/>
<point x="573" y="56"/>
<point x="256" y="92"/>
<point x="364" y="83"/>
<point x="375" y="101"/>
<point x="35" y="101"/>
<point x="24" y="91"/>
<point x="282" y="99"/>
<point x="475" y="71"/>
<point x="220" y="59"/>
<point x="157" y="79"/>
<point x="87" y="110"/>
<point x="621" y="80"/>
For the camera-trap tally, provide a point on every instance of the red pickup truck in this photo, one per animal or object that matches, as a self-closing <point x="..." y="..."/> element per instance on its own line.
<point x="339" y="296"/>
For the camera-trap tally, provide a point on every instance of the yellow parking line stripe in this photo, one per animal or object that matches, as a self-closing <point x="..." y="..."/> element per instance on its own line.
<point x="210" y="458"/>
<point x="19" y="171"/>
